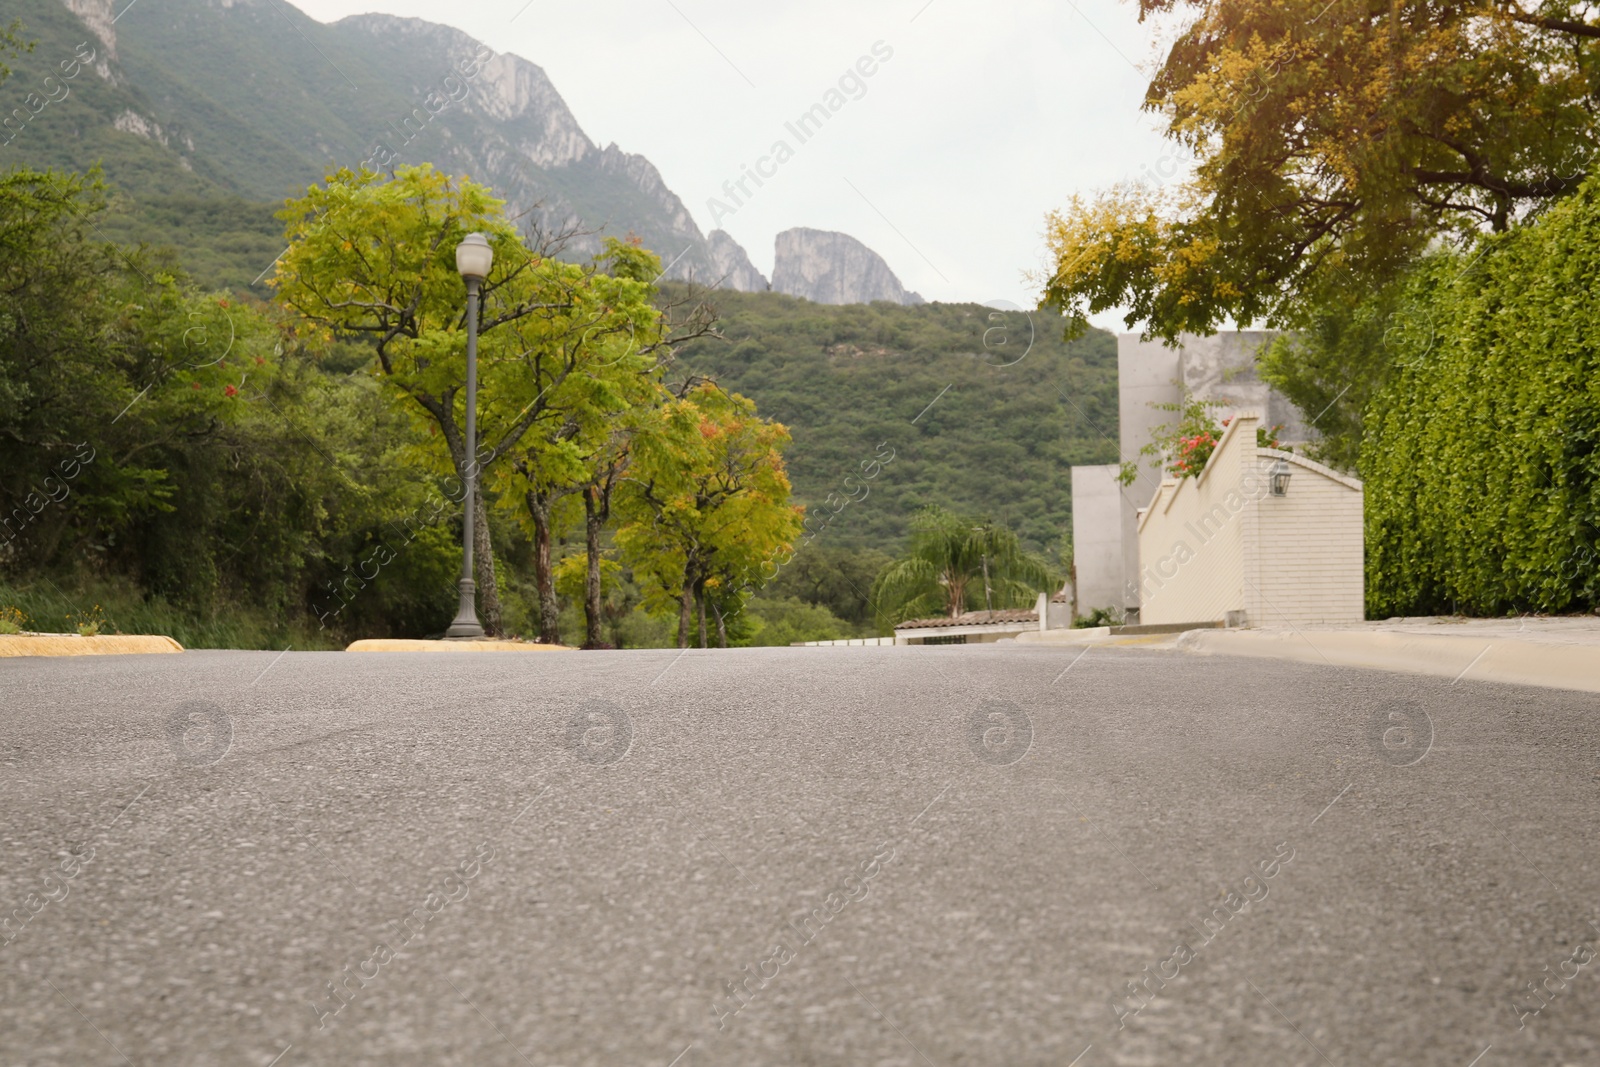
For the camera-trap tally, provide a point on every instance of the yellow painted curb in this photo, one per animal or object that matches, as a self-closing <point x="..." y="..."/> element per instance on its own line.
<point x="74" y="645"/>
<point x="386" y="644"/>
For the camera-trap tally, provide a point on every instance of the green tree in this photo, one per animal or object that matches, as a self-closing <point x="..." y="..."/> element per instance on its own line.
<point x="585" y="367"/>
<point x="780" y="621"/>
<point x="1332" y="144"/>
<point x="834" y="577"/>
<point x="954" y="560"/>
<point x="708" y="509"/>
<point x="125" y="394"/>
<point x="12" y="45"/>
<point x="373" y="256"/>
<point x="1338" y="360"/>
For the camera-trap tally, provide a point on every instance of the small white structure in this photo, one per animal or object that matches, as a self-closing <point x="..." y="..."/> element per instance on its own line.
<point x="1259" y="537"/>
<point x="1050" y="612"/>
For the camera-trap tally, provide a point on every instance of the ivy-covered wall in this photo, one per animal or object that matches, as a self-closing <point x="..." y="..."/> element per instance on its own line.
<point x="1480" y="454"/>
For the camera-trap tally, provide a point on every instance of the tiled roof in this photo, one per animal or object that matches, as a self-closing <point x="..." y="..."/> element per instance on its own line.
<point x="974" y="618"/>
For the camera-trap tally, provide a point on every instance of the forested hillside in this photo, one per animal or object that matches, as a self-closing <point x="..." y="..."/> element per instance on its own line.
<point x="1016" y="407"/>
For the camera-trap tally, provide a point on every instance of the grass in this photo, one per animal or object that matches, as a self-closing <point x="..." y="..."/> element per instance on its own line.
<point x="62" y="606"/>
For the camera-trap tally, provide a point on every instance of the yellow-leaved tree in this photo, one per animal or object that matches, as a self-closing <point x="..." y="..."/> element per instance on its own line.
<point x="706" y="511"/>
<point x="1333" y="142"/>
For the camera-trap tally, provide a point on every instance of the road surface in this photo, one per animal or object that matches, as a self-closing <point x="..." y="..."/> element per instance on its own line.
<point x="939" y="856"/>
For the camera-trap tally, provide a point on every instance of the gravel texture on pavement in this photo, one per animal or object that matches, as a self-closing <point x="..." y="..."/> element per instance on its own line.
<point x="1003" y="855"/>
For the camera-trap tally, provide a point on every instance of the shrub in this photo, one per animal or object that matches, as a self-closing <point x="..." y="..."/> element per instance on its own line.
<point x="1481" y="454"/>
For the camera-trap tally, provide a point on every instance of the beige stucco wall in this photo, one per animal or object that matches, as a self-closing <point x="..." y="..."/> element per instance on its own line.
<point x="1220" y="543"/>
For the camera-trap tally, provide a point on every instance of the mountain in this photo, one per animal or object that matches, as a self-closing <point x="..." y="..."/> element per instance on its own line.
<point x="266" y="101"/>
<point x="247" y="102"/>
<point x="732" y="268"/>
<point x="834" y="268"/>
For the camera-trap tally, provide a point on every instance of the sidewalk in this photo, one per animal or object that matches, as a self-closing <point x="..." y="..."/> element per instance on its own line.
<point x="1557" y="653"/>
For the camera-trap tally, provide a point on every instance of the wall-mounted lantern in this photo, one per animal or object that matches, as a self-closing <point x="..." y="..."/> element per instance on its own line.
<point x="1278" y="477"/>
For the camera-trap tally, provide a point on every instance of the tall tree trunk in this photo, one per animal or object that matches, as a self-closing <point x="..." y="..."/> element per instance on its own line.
<point x="543" y="573"/>
<point x="483" y="568"/>
<point x="722" y="627"/>
<point x="700" y="595"/>
<point x="686" y="606"/>
<point x="594" y="521"/>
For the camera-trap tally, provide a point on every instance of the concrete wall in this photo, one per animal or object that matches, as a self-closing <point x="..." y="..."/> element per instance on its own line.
<point x="1221" y="542"/>
<point x="1222" y="369"/>
<point x="1097" y="536"/>
<point x="1148" y="374"/>
<point x="1191" y="537"/>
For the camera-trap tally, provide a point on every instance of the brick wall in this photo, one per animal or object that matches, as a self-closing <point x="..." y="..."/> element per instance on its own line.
<point x="1305" y="562"/>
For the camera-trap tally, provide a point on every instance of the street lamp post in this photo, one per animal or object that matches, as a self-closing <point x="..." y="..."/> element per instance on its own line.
<point x="474" y="257"/>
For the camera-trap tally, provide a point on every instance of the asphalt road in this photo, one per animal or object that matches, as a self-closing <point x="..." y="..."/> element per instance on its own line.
<point x="869" y="856"/>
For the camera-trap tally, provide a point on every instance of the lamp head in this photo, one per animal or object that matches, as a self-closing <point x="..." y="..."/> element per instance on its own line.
<point x="474" y="257"/>
<point x="1278" y="475"/>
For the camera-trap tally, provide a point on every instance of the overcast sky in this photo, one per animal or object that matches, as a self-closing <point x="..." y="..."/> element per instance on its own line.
<point x="985" y="117"/>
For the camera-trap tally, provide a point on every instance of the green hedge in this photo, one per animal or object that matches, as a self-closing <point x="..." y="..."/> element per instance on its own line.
<point x="1480" y="454"/>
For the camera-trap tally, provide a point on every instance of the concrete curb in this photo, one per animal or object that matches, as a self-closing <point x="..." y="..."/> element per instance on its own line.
<point x="385" y="644"/>
<point x="75" y="645"/>
<point x="1480" y="659"/>
<point x="1096" y="639"/>
<point x="1080" y="636"/>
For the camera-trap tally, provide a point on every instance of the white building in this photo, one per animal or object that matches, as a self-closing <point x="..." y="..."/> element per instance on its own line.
<point x="1152" y="376"/>
<point x="1259" y="537"/>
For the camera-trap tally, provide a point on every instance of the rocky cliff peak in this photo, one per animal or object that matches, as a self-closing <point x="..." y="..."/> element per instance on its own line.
<point x="509" y="91"/>
<point x="834" y="268"/>
<point x="730" y="265"/>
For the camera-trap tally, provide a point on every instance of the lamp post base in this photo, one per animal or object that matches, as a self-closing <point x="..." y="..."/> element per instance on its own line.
<point x="466" y="623"/>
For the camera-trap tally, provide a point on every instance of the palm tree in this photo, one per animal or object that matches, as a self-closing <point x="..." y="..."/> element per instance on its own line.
<point x="952" y="556"/>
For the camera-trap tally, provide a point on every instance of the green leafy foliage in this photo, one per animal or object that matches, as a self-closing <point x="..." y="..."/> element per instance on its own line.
<point x="1337" y="362"/>
<point x="199" y="446"/>
<point x="957" y="563"/>
<point x="1333" y="144"/>
<point x="707" y="518"/>
<point x="834" y="577"/>
<point x="237" y="472"/>
<point x="1481" y="454"/>
<point x="46" y="605"/>
<point x="1000" y="440"/>
<point x="787" y="620"/>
